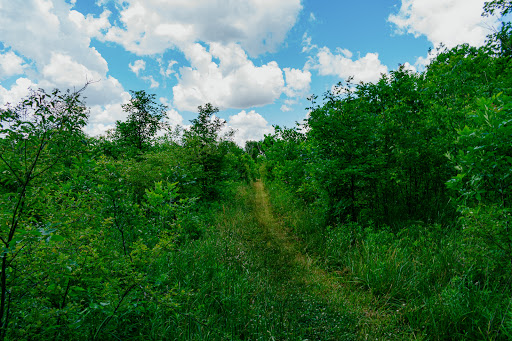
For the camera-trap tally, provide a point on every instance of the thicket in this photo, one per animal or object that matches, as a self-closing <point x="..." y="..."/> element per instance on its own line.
<point x="92" y="228"/>
<point x="406" y="185"/>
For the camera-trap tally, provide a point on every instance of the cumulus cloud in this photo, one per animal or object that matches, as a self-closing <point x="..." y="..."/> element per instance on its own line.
<point x="17" y="91"/>
<point x="297" y="82"/>
<point x="10" y="65"/>
<point x="174" y="118"/>
<point x="65" y="71"/>
<point x="169" y="70"/>
<point x="152" y="26"/>
<point x="249" y="126"/>
<point x="103" y="117"/>
<point x="285" y="108"/>
<point x="365" y="69"/>
<point x="91" y="25"/>
<point x="450" y="22"/>
<point x="49" y="43"/>
<point x="39" y="29"/>
<point x="410" y="67"/>
<point x="55" y="40"/>
<point x="233" y="82"/>
<point x="137" y="66"/>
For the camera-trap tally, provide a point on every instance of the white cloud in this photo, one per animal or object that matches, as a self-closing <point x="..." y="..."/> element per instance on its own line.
<point x="307" y="46"/>
<point x="64" y="71"/>
<point x="235" y="82"/>
<point x="140" y="65"/>
<point x="152" y="26"/>
<point x="103" y="117"/>
<point x="297" y="82"/>
<point x="450" y="22"/>
<point x="249" y="126"/>
<point x="290" y="101"/>
<point x="92" y="26"/>
<point x="55" y="40"/>
<point x="408" y="66"/>
<point x="39" y="28"/>
<point x="365" y="69"/>
<point x="10" y="65"/>
<point x="137" y="66"/>
<point x="154" y="83"/>
<point x="169" y="70"/>
<point x="19" y="90"/>
<point x="174" y="118"/>
<point x="285" y="108"/>
<point x="422" y="62"/>
<point x="344" y="52"/>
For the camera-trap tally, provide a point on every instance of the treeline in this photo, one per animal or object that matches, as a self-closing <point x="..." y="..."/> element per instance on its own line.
<point x="407" y="187"/>
<point x="90" y="227"/>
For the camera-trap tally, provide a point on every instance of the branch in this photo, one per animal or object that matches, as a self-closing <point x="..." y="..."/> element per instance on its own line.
<point x="115" y="310"/>
<point x="10" y="168"/>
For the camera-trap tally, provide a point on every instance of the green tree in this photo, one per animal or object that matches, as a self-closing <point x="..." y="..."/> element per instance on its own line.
<point x="144" y="120"/>
<point x="36" y="136"/>
<point x="497" y="7"/>
<point x="206" y="150"/>
<point x="483" y="184"/>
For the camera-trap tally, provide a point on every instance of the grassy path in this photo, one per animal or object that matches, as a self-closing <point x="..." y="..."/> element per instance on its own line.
<point x="316" y="304"/>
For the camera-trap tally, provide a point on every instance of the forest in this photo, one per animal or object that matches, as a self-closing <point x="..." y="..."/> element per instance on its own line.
<point x="385" y="215"/>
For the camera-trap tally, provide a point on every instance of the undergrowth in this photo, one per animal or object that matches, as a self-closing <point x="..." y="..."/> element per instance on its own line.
<point x="435" y="279"/>
<point x="238" y="283"/>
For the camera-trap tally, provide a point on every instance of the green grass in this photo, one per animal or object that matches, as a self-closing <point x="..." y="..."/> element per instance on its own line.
<point x="242" y="284"/>
<point x="435" y="281"/>
<point x="244" y="279"/>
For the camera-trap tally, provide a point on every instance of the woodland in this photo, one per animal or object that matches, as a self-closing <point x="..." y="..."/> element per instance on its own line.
<point x="385" y="215"/>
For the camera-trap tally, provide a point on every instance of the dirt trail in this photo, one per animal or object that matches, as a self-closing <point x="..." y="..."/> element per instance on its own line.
<point x="305" y="273"/>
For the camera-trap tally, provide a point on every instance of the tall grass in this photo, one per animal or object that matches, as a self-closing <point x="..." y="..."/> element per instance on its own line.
<point x="235" y="283"/>
<point x="440" y="284"/>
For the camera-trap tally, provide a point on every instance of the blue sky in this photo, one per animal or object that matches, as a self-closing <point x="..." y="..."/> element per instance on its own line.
<point x="257" y="60"/>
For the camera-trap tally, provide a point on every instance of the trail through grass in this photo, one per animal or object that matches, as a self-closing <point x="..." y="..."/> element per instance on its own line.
<point x="316" y="304"/>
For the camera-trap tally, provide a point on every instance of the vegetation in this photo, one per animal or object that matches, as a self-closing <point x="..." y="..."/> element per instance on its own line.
<point x="386" y="216"/>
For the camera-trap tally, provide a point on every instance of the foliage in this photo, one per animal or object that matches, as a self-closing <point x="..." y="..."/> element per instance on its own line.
<point x="36" y="138"/>
<point x="143" y="122"/>
<point x="207" y="151"/>
<point x="483" y="185"/>
<point x="397" y="191"/>
<point x="497" y="7"/>
<point x="403" y="186"/>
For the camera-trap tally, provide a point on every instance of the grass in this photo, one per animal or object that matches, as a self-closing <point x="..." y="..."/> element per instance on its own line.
<point x="246" y="280"/>
<point x="322" y="303"/>
<point x="418" y="281"/>
<point x="266" y="268"/>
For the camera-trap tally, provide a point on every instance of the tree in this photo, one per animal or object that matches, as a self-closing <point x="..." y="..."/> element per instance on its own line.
<point x="253" y="148"/>
<point x="36" y="136"/>
<point x="203" y="142"/>
<point x="206" y="127"/>
<point x="144" y="120"/>
<point x="501" y="7"/>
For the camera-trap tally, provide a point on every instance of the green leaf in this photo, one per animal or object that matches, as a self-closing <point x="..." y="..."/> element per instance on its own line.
<point x="57" y="238"/>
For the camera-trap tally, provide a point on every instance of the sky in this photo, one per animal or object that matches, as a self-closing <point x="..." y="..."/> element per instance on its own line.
<point x="256" y="60"/>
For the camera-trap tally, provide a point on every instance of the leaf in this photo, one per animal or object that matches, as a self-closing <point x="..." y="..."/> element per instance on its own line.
<point x="57" y="238"/>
